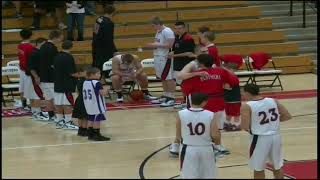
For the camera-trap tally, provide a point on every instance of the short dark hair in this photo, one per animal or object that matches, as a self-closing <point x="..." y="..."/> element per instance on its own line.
<point x="109" y="9"/>
<point x="210" y="35"/>
<point x="25" y="34"/>
<point x="40" y="40"/>
<point x="253" y="89"/>
<point x="203" y="29"/>
<point x="180" y="23"/>
<point x="127" y="57"/>
<point x="198" y="98"/>
<point x="55" y="34"/>
<point x="206" y="60"/>
<point x="67" y="45"/>
<point x="92" y="70"/>
<point x="156" y="21"/>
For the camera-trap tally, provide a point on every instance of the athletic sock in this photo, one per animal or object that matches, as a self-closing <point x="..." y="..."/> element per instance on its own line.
<point x="59" y="116"/>
<point x="35" y="110"/>
<point x="67" y="117"/>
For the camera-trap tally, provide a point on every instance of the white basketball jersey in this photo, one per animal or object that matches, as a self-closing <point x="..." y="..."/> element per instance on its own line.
<point x="93" y="101"/>
<point x="196" y="126"/>
<point x="162" y="37"/>
<point x="265" y="117"/>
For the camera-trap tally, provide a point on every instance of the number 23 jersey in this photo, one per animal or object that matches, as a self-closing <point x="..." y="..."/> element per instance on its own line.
<point x="265" y="117"/>
<point x="93" y="101"/>
<point x="196" y="126"/>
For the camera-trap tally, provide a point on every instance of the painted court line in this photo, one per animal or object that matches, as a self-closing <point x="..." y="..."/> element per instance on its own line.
<point x="127" y="140"/>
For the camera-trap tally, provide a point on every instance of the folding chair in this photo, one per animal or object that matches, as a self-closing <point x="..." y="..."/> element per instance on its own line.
<point x="9" y="87"/>
<point x="148" y="67"/>
<point x="128" y="86"/>
<point x="265" y="72"/>
<point x="17" y="64"/>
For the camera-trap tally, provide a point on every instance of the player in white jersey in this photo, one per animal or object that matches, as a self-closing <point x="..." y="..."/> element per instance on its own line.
<point x="93" y="98"/>
<point x="261" y="117"/>
<point x="163" y="65"/>
<point x="196" y="129"/>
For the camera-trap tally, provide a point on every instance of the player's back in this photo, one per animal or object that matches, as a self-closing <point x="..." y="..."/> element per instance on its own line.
<point x="195" y="126"/>
<point x="93" y="101"/>
<point x="265" y="117"/>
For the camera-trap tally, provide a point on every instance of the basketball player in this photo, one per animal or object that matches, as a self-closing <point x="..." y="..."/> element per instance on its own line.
<point x="94" y="103"/>
<point x="196" y="129"/>
<point x="163" y="65"/>
<point x="24" y="49"/>
<point x="35" y="93"/>
<point x="213" y="85"/>
<point x="64" y="85"/>
<point x="261" y="117"/>
<point x="127" y="67"/>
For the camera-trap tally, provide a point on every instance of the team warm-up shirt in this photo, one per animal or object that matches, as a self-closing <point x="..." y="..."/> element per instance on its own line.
<point x="47" y="53"/>
<point x="214" y="87"/>
<point x="162" y="37"/>
<point x="184" y="43"/>
<point x="93" y="101"/>
<point x="196" y="126"/>
<point x="33" y="63"/>
<point x="24" y="52"/>
<point x="265" y="117"/>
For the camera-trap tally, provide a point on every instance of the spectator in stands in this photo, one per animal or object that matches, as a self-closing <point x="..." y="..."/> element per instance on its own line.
<point x="127" y="67"/>
<point x="75" y="14"/>
<point x="17" y="5"/>
<point x="103" y="47"/>
<point x="42" y="7"/>
<point x="47" y="53"/>
<point x="164" y="41"/>
<point x="64" y="85"/>
<point x="183" y="46"/>
<point x="24" y="49"/>
<point x="36" y="94"/>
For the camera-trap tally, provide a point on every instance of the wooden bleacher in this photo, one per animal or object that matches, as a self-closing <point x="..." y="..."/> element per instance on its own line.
<point x="238" y="26"/>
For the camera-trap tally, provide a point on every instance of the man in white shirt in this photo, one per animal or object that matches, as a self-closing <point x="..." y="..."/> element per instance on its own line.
<point x="164" y="41"/>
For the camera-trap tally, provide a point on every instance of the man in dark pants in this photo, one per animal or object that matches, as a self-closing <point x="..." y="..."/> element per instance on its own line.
<point x="183" y="46"/>
<point x="103" y="47"/>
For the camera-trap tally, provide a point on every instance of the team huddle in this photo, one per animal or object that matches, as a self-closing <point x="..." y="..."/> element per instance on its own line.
<point x="211" y="90"/>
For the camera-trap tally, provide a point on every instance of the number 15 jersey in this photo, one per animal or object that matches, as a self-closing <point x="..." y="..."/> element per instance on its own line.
<point x="265" y="117"/>
<point x="196" y="126"/>
<point x="93" y="101"/>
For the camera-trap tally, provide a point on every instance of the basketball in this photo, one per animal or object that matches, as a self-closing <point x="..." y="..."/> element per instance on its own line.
<point x="137" y="95"/>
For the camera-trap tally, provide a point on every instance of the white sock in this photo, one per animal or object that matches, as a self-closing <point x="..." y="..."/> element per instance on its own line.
<point x="59" y="116"/>
<point x="35" y="110"/>
<point x="67" y="117"/>
<point x="170" y="94"/>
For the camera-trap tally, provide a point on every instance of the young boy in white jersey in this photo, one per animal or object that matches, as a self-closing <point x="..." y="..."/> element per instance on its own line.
<point x="261" y="117"/>
<point x="196" y="129"/>
<point x="93" y="98"/>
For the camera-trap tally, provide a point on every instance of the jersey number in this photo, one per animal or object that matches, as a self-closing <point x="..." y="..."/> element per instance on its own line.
<point x="87" y="94"/>
<point x="265" y="120"/>
<point x="198" y="129"/>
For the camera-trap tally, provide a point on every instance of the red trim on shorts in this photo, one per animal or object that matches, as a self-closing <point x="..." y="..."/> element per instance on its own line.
<point x="166" y="70"/>
<point x="70" y="98"/>
<point x="253" y="144"/>
<point x="37" y="89"/>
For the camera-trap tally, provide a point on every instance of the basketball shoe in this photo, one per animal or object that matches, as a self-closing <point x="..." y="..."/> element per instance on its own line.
<point x="174" y="149"/>
<point x="168" y="103"/>
<point x="160" y="100"/>
<point x="70" y="125"/>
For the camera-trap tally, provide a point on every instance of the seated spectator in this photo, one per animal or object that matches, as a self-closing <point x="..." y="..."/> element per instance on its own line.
<point x="75" y="14"/>
<point x="17" y="5"/>
<point x="127" y="67"/>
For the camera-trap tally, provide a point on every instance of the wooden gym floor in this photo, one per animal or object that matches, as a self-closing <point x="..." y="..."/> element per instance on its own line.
<point x="38" y="150"/>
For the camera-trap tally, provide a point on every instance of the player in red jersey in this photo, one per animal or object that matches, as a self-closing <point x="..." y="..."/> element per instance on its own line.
<point x="24" y="49"/>
<point x="212" y="84"/>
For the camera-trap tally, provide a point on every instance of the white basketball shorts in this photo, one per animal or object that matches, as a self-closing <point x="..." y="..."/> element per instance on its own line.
<point x="48" y="90"/>
<point x="163" y="67"/>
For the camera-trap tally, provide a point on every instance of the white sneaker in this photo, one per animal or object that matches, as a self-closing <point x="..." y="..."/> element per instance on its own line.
<point x="60" y="124"/>
<point x="222" y="149"/>
<point x="69" y="125"/>
<point x="149" y="97"/>
<point x="159" y="100"/>
<point x="174" y="149"/>
<point x="40" y="117"/>
<point x="168" y="103"/>
<point x="120" y="100"/>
